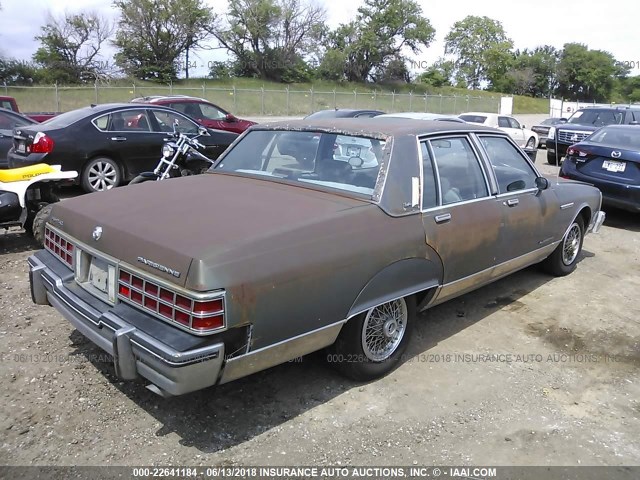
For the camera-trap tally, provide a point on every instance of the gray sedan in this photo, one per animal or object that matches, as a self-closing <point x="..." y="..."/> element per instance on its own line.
<point x="266" y="258"/>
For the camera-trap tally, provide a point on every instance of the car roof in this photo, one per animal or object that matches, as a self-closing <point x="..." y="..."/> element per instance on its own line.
<point x="380" y="127"/>
<point x="16" y="114"/>
<point x="157" y="98"/>
<point x="417" y="115"/>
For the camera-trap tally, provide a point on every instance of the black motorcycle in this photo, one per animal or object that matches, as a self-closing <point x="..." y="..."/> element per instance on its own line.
<point x="179" y="159"/>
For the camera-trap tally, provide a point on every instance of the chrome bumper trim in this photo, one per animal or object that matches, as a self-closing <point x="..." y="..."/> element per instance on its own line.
<point x="135" y="353"/>
<point x="599" y="219"/>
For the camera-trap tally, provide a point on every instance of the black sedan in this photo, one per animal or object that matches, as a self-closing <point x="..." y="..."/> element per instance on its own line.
<point x="609" y="159"/>
<point x="8" y="121"/>
<point x="108" y="144"/>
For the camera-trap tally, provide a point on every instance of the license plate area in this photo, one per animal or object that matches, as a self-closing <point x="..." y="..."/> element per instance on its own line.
<point x="613" y="166"/>
<point x="21" y="147"/>
<point x="96" y="275"/>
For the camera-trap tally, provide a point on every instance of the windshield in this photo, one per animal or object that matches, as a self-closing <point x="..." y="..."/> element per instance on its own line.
<point x="597" y="118"/>
<point x="344" y="162"/>
<point x="622" y="138"/>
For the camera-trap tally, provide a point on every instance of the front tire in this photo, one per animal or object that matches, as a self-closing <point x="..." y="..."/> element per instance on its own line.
<point x="101" y="174"/>
<point x="371" y="344"/>
<point x="564" y="258"/>
<point x="531" y="143"/>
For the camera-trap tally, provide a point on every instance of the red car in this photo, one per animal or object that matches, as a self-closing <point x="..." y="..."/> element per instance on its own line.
<point x="201" y="110"/>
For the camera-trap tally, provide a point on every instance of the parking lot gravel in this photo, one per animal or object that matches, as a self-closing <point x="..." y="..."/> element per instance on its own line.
<point x="531" y="370"/>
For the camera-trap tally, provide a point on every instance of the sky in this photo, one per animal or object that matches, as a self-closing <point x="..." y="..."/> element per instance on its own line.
<point x="611" y="26"/>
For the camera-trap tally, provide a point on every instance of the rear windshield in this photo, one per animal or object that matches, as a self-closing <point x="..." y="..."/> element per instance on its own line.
<point x="344" y="162"/>
<point x="65" y="119"/>
<point x="597" y="118"/>
<point x="473" y="118"/>
<point x="625" y="139"/>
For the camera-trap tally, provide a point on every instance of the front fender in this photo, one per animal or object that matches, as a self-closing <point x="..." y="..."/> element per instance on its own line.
<point x="402" y="278"/>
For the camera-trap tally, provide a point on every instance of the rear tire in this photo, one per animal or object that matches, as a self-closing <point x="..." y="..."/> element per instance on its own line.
<point x="371" y="344"/>
<point x="551" y="159"/>
<point x="101" y="174"/>
<point x="564" y="258"/>
<point x="39" y="223"/>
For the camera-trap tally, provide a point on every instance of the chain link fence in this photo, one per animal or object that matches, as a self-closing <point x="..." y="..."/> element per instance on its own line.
<point x="241" y="101"/>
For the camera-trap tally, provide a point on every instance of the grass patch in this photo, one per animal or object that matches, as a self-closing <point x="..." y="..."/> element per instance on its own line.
<point x="247" y="96"/>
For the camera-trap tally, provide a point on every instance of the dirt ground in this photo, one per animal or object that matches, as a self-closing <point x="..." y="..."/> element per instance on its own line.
<point x="531" y="370"/>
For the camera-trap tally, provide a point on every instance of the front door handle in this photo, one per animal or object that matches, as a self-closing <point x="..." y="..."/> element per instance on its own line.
<point x="513" y="202"/>
<point x="119" y="139"/>
<point x="445" y="217"/>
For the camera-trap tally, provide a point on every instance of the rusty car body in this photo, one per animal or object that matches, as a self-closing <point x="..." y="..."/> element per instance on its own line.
<point x="262" y="259"/>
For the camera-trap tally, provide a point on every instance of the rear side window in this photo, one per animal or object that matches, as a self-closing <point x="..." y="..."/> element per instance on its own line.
<point x="6" y="104"/>
<point x="503" y="122"/>
<point x="512" y="170"/>
<point x="473" y="118"/>
<point x="459" y="171"/>
<point x="125" y="121"/>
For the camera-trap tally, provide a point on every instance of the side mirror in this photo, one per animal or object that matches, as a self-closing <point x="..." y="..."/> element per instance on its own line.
<point x="202" y="131"/>
<point x="229" y="117"/>
<point x="564" y="120"/>
<point x="541" y="184"/>
<point x="523" y="126"/>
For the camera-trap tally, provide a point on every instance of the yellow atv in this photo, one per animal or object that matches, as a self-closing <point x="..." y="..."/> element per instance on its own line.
<point x="26" y="195"/>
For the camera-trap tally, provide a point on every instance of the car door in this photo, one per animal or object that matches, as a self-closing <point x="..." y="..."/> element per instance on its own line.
<point x="528" y="213"/>
<point x="128" y="135"/>
<point x="504" y="123"/>
<point x="460" y="216"/>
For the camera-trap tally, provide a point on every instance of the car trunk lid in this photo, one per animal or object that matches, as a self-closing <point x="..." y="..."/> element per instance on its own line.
<point x="160" y="227"/>
<point x="608" y="163"/>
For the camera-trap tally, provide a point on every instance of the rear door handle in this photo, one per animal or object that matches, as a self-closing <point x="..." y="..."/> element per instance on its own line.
<point x="119" y="139"/>
<point x="513" y="202"/>
<point x="445" y="217"/>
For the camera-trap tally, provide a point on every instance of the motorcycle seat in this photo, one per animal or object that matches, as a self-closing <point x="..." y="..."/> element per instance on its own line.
<point x="25" y="173"/>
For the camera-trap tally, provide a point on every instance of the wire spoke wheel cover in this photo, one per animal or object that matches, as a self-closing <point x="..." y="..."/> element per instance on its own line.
<point x="571" y="244"/>
<point x="383" y="328"/>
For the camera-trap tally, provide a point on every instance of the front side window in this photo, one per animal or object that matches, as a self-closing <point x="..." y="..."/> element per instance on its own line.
<point x="459" y="171"/>
<point x="514" y="123"/>
<point x="211" y="112"/>
<point x="344" y="162"/>
<point x="512" y="170"/>
<point x="503" y="122"/>
<point x="167" y="120"/>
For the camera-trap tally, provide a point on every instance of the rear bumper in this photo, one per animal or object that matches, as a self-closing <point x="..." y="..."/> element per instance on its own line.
<point x="619" y="195"/>
<point x="136" y="353"/>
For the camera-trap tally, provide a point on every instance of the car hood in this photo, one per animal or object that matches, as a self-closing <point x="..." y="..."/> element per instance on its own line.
<point x="203" y="219"/>
<point x="576" y="127"/>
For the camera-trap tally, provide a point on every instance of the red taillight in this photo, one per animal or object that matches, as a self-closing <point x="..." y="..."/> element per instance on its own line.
<point x="208" y="323"/>
<point x="41" y="144"/>
<point x="60" y="247"/>
<point x="212" y="306"/>
<point x="576" y="152"/>
<point x="197" y="315"/>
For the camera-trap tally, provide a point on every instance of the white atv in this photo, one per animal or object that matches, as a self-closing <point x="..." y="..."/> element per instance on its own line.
<point x="26" y="195"/>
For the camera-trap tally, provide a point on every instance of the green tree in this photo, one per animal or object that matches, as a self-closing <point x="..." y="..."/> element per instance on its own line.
<point x="154" y="35"/>
<point x="481" y="49"/>
<point x="587" y="75"/>
<point x="531" y="72"/>
<point x="439" y="74"/>
<point x="18" y="72"/>
<point x="271" y="39"/>
<point x="70" y="46"/>
<point x="630" y="89"/>
<point x="381" y="32"/>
